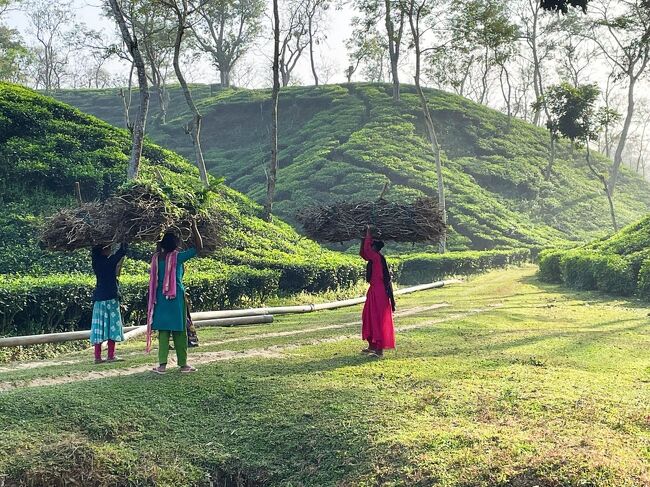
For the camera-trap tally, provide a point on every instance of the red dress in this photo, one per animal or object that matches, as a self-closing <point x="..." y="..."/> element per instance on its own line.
<point x="377" y="317"/>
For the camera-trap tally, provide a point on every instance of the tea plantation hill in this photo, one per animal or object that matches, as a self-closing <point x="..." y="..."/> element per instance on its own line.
<point x="345" y="141"/>
<point x="46" y="146"/>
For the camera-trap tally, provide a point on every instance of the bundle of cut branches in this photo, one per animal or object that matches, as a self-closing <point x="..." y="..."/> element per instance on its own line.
<point x="419" y="221"/>
<point x="209" y="226"/>
<point x="136" y="214"/>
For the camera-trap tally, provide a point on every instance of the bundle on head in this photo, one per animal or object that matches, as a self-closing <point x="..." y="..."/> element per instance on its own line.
<point x="209" y="227"/>
<point x="419" y="221"/>
<point x="137" y="214"/>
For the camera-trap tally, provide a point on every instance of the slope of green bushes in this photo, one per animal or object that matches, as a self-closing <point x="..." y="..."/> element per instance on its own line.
<point x="345" y="141"/>
<point x="46" y="146"/>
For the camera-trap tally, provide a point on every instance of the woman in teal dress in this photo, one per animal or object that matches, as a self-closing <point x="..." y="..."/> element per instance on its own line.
<point x="167" y="313"/>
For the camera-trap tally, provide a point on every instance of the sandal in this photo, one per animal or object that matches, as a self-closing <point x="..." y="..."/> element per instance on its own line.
<point x="159" y="370"/>
<point x="367" y="350"/>
<point x="115" y="359"/>
<point x="188" y="369"/>
<point x="99" y="361"/>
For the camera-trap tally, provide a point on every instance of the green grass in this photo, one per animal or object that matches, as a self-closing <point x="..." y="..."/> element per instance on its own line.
<point x="345" y="141"/>
<point x="516" y="383"/>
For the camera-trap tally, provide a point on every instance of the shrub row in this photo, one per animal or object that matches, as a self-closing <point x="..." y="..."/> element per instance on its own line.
<point x="589" y="270"/>
<point x="420" y="268"/>
<point x="62" y="302"/>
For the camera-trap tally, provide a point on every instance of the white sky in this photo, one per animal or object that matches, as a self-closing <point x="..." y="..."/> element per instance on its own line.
<point x="331" y="54"/>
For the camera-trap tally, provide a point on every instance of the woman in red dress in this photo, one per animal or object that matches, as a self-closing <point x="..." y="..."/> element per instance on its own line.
<point x="377" y="315"/>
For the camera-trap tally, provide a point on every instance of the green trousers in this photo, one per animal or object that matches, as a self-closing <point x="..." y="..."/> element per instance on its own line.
<point x="180" y="344"/>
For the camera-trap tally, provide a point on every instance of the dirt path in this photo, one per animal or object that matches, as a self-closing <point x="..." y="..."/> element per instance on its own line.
<point x="201" y="358"/>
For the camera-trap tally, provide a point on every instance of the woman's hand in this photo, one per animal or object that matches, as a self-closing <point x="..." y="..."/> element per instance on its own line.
<point x="198" y="241"/>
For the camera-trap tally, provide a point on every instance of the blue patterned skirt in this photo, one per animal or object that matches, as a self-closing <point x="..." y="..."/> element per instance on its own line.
<point x="106" y="322"/>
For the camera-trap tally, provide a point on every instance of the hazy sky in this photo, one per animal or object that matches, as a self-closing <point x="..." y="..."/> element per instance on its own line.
<point x="331" y="55"/>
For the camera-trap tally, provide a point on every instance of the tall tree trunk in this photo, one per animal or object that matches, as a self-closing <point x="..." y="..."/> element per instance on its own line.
<point x="271" y="173"/>
<point x="311" y="52"/>
<point x="507" y="94"/>
<point x="141" y="120"/>
<point x="538" y="84"/>
<point x="551" y="158"/>
<point x="224" y="75"/>
<point x="608" y="192"/>
<point x="161" y="93"/>
<point x="195" y="129"/>
<point x="414" y="21"/>
<point x="393" y="48"/>
<point x="126" y="100"/>
<point x="620" y="147"/>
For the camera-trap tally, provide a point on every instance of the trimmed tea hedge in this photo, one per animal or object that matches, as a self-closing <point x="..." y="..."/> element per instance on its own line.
<point x="420" y="268"/>
<point x="589" y="270"/>
<point x="63" y="302"/>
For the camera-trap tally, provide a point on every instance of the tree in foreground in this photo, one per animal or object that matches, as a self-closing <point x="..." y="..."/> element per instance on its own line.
<point x="184" y="14"/>
<point x="272" y="171"/>
<point x="622" y="34"/>
<point x="574" y="116"/>
<point x="417" y="11"/>
<point x="131" y="42"/>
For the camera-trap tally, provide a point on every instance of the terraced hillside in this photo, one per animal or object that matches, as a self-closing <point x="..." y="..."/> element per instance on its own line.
<point x="345" y="141"/>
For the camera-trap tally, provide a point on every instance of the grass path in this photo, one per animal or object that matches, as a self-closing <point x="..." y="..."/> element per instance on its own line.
<point x="513" y="383"/>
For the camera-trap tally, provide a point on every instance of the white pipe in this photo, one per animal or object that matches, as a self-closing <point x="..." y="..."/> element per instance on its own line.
<point x="424" y="287"/>
<point x="137" y="331"/>
<point x="232" y="313"/>
<point x="239" y="320"/>
<point x="307" y="308"/>
<point x="49" y="338"/>
<point x="216" y="318"/>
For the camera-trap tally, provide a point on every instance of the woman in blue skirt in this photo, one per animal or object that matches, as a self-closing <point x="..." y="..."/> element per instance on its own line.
<point x="106" y="324"/>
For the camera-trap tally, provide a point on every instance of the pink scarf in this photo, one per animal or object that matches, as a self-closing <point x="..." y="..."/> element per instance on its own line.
<point x="169" y="286"/>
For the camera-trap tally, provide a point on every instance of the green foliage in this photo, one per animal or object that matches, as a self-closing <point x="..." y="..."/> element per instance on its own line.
<point x="588" y="270"/>
<point x="64" y="302"/>
<point x="13" y="54"/>
<point x="345" y="141"/>
<point x="572" y="110"/>
<point x="420" y="268"/>
<point x="577" y="271"/>
<point x="643" y="283"/>
<point x="619" y="262"/>
<point x="614" y="275"/>
<point x="549" y="266"/>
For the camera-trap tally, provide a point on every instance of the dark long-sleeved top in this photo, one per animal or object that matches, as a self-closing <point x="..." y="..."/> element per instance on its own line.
<point x="105" y="269"/>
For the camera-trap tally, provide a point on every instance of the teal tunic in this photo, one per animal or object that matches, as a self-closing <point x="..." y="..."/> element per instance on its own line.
<point x="169" y="314"/>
